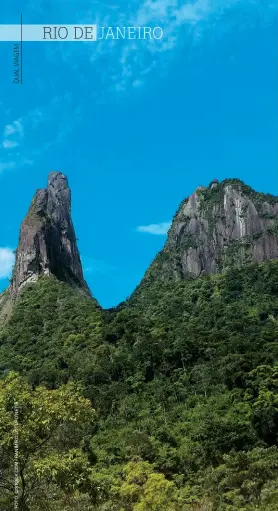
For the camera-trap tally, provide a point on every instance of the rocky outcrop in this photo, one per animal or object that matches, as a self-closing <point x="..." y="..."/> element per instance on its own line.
<point x="224" y="225"/>
<point x="47" y="244"/>
<point x="221" y="226"/>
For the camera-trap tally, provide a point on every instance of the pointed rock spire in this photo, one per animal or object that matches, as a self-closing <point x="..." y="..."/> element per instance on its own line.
<point x="47" y="243"/>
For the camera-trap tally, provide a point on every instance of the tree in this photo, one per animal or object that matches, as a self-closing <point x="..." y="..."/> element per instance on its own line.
<point x="246" y="481"/>
<point x="40" y="435"/>
<point x="144" y="489"/>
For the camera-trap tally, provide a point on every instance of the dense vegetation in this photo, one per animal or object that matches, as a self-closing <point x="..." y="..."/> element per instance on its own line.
<point x="167" y="403"/>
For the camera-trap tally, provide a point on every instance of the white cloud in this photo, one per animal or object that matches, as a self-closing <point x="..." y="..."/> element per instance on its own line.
<point x="157" y="229"/>
<point x="7" y="259"/>
<point x="130" y="62"/>
<point x="7" y="165"/>
<point x="92" y="266"/>
<point x="111" y="69"/>
<point x="12" y="135"/>
<point x="10" y="144"/>
<point x="35" y="132"/>
<point x="125" y="65"/>
<point x="14" y="161"/>
<point x="15" y="128"/>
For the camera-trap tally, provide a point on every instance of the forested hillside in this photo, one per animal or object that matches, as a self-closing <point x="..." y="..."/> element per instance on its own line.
<point x="167" y="402"/>
<point x="183" y="383"/>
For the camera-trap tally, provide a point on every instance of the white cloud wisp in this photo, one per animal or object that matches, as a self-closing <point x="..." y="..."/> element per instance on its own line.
<point x="156" y="229"/>
<point x="7" y="259"/>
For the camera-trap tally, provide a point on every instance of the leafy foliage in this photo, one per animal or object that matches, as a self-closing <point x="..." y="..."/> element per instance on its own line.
<point x="46" y="428"/>
<point x="183" y="378"/>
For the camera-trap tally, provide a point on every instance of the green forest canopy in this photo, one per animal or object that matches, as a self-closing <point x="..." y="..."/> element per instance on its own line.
<point x="168" y="402"/>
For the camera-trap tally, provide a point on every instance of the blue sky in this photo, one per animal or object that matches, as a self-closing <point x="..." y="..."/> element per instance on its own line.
<point x="136" y="125"/>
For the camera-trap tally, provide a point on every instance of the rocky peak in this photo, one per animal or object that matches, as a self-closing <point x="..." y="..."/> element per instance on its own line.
<point x="47" y="243"/>
<point x="223" y="225"/>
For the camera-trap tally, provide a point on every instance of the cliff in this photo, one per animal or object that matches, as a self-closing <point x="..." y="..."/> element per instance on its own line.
<point x="225" y="225"/>
<point x="47" y="243"/>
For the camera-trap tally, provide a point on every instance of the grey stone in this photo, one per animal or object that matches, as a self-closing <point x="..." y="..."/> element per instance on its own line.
<point x="47" y="243"/>
<point x="225" y="225"/>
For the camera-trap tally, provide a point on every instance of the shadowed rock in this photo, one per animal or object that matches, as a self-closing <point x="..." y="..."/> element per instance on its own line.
<point x="47" y="244"/>
<point x="224" y="225"/>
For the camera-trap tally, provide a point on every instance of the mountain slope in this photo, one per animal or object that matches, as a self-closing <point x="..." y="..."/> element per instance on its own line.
<point x="183" y="377"/>
<point x="48" y="317"/>
<point x="225" y="225"/>
<point x="185" y="382"/>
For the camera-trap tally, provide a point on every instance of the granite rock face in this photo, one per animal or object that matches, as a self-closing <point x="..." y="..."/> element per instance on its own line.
<point x="224" y="225"/>
<point x="47" y="244"/>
